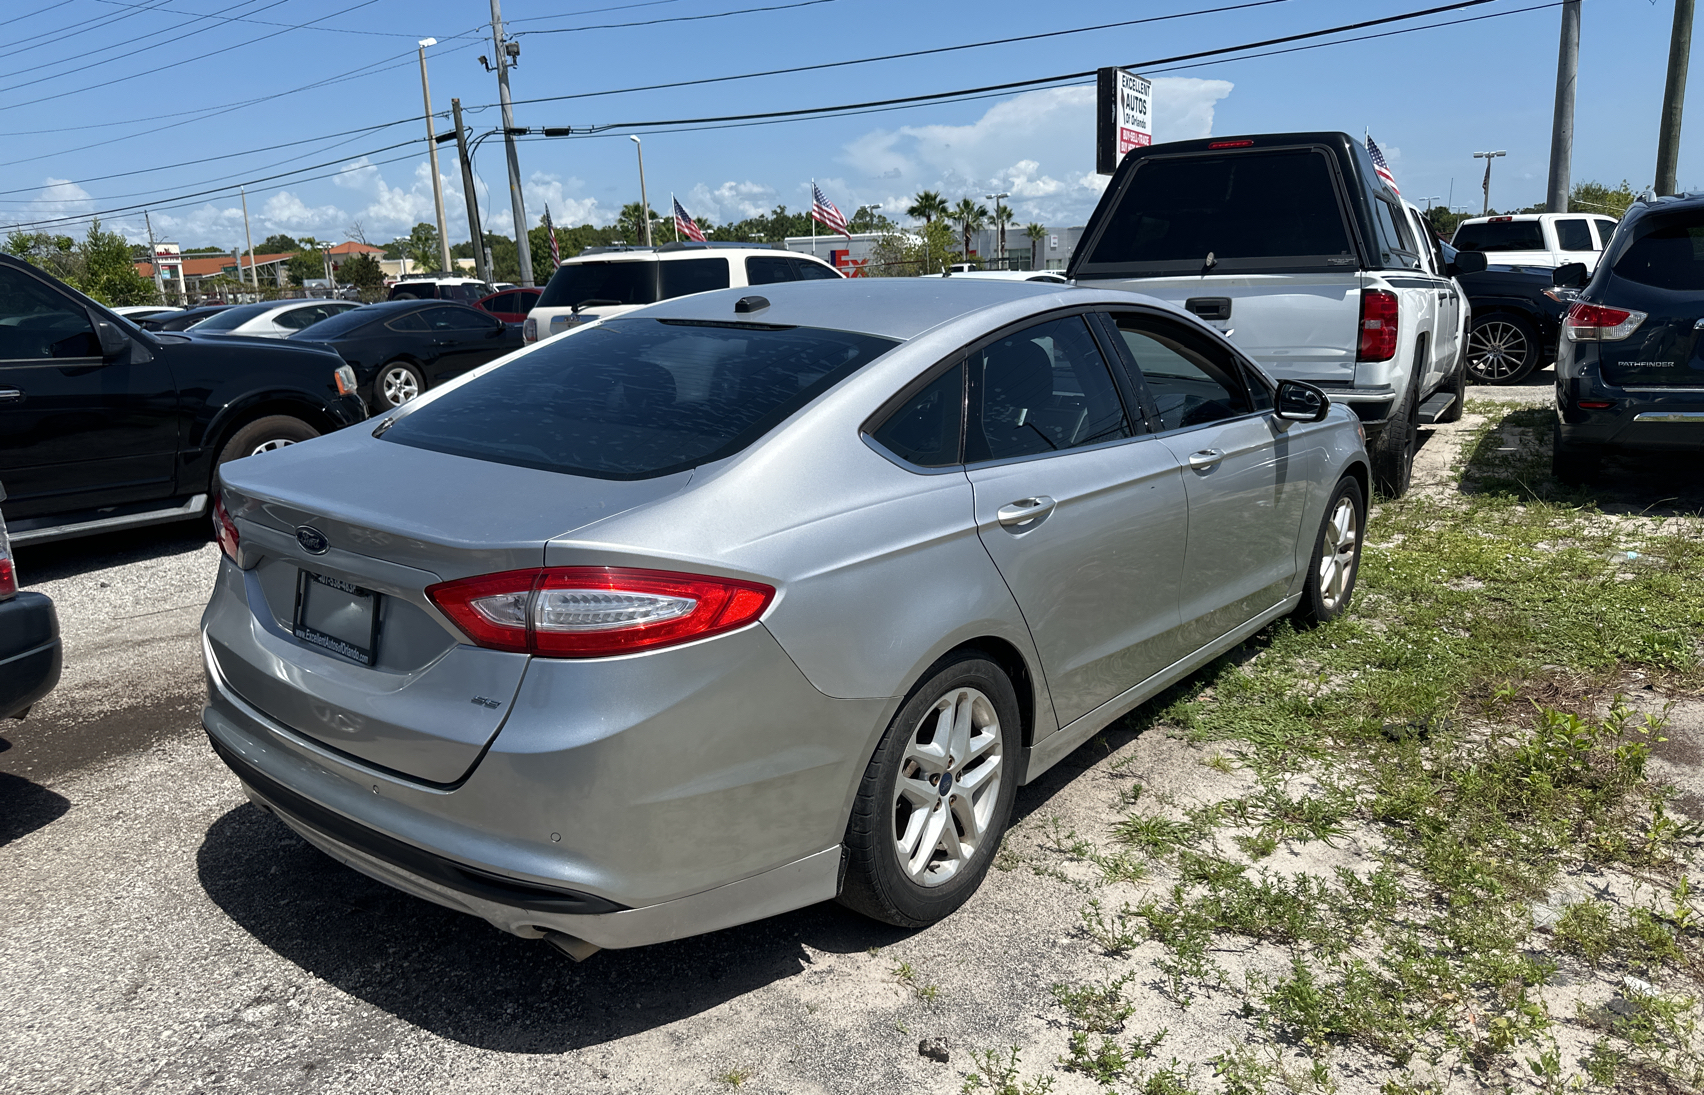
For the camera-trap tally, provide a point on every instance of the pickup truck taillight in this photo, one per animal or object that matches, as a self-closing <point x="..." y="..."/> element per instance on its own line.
<point x="8" y="576"/>
<point x="1595" y="323"/>
<point x="1378" y="326"/>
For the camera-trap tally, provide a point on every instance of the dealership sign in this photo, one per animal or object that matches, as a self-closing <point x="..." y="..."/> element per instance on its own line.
<point x="1124" y="113"/>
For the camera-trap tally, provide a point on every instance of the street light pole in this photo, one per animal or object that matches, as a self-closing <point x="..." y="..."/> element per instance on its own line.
<point x="517" y="203"/>
<point x="432" y="149"/>
<point x="1488" y="157"/>
<point x="644" y="203"/>
<point x="1562" y="128"/>
<point x="1000" y="226"/>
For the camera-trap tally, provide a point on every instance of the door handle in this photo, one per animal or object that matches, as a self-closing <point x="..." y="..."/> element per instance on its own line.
<point x="11" y="395"/>
<point x="1206" y="458"/>
<point x="1024" y="510"/>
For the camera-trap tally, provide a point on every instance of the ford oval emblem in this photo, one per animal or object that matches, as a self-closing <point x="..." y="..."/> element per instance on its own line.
<point x="313" y="541"/>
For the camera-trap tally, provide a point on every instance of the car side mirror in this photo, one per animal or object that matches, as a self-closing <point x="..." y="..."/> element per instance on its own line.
<point x="1299" y="401"/>
<point x="113" y="341"/>
<point x="1467" y="262"/>
<point x="1570" y="275"/>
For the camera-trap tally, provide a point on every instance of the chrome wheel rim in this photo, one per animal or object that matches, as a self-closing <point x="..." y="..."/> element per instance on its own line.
<point x="268" y="446"/>
<point x="398" y="386"/>
<point x="1338" y="549"/>
<point x="1497" y="350"/>
<point x="948" y="786"/>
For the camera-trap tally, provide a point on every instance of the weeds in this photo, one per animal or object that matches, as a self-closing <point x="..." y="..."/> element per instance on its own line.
<point x="999" y="1075"/>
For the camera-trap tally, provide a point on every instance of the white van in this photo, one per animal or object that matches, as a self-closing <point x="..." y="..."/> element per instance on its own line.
<point x="607" y="281"/>
<point x="1537" y="239"/>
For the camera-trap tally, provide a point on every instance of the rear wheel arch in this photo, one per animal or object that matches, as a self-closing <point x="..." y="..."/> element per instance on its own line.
<point x="1011" y="660"/>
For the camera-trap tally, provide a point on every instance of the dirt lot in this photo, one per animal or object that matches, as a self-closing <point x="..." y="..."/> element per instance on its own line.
<point x="1357" y="860"/>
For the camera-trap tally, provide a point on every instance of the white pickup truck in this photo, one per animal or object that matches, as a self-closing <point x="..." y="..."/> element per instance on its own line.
<point x="1293" y="247"/>
<point x="1537" y="239"/>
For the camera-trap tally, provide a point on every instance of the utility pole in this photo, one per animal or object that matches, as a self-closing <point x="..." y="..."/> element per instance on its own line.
<point x="1674" y="97"/>
<point x="154" y="259"/>
<point x="1488" y="157"/>
<point x="644" y="203"/>
<point x="479" y="266"/>
<point x="517" y="202"/>
<point x="432" y="150"/>
<point x="1000" y="225"/>
<point x="254" y="275"/>
<point x="1562" y="128"/>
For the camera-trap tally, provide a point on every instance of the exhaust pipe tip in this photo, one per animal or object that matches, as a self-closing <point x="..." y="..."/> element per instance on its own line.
<point x="577" y="949"/>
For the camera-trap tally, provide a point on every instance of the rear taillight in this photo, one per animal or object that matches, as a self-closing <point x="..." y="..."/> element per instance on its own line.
<point x="225" y="529"/>
<point x="591" y="612"/>
<point x="8" y="575"/>
<point x="529" y="330"/>
<point x="1596" y="323"/>
<point x="1378" y="326"/>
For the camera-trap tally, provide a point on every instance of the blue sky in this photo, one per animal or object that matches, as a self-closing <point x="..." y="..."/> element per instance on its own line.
<point x="97" y="87"/>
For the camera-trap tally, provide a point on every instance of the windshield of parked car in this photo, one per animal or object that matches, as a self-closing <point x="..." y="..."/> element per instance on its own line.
<point x="1500" y="236"/>
<point x="1669" y="255"/>
<point x="234" y="317"/>
<point x="1248" y="210"/>
<point x="636" y="398"/>
<point x="632" y="282"/>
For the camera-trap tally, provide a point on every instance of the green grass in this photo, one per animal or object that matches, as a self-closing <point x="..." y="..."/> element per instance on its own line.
<point x="1453" y="721"/>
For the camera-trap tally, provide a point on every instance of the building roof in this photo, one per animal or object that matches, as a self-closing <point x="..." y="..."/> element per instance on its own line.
<point x="352" y="248"/>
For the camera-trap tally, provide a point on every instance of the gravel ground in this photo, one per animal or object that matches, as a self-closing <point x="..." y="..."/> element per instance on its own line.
<point x="161" y="934"/>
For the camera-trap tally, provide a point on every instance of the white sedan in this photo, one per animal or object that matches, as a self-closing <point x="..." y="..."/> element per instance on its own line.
<point x="272" y="318"/>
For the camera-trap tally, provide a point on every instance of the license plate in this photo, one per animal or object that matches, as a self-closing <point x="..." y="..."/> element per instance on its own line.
<point x="338" y="617"/>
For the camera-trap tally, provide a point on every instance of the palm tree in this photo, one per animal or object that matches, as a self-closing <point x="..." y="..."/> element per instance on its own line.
<point x="1003" y="216"/>
<point x="928" y="205"/>
<point x="1036" y="233"/>
<point x="971" y="217"/>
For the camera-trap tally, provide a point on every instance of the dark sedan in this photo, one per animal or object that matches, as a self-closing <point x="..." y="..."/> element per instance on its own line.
<point x="400" y="348"/>
<point x="1516" y="321"/>
<point x="180" y="320"/>
<point x="30" y="652"/>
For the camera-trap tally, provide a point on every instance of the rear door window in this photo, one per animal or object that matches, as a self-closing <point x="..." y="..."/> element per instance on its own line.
<point x="1573" y="234"/>
<point x="1044" y="389"/>
<point x="1670" y="256"/>
<point x="1605" y="229"/>
<point x="684" y="276"/>
<point x="1249" y="210"/>
<point x="636" y="398"/>
<point x="1501" y="236"/>
<point x="765" y="270"/>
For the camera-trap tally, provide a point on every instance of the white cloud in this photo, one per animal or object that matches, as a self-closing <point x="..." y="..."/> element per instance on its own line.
<point x="1039" y="147"/>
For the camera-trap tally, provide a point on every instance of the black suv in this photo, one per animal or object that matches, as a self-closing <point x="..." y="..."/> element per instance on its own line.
<point x="1630" y="371"/>
<point x="106" y="426"/>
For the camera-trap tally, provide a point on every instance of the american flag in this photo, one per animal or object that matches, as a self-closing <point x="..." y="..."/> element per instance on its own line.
<point x="823" y="210"/>
<point x="1380" y="166"/>
<point x="685" y="225"/>
<point x="550" y="230"/>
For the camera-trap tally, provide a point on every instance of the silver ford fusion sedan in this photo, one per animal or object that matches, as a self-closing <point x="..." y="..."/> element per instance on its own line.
<point x="738" y="603"/>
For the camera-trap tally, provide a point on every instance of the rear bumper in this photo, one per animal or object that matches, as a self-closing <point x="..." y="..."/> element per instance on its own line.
<point x="30" y="652"/>
<point x="1640" y="418"/>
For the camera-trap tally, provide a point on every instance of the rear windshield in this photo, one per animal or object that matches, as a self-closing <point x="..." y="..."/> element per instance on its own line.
<point x="232" y="318"/>
<point x="1670" y="256"/>
<point x="636" y="398"/>
<point x="1500" y="236"/>
<point x="344" y="322"/>
<point x="605" y="282"/>
<point x="1248" y="210"/>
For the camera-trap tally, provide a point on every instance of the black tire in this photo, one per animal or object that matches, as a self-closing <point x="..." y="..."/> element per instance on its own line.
<point x="263" y="434"/>
<point x="1502" y="349"/>
<point x="1327" y="591"/>
<point x="1456" y="384"/>
<point x="1393" y="449"/>
<point x="876" y="883"/>
<point x="1572" y="465"/>
<point x="396" y="383"/>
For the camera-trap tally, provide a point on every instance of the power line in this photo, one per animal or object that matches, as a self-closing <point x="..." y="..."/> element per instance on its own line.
<point x="33" y="14"/>
<point x="675" y="18"/>
<point x="589" y="11"/>
<point x="901" y="56"/>
<point x="261" y="22"/>
<point x="72" y="30"/>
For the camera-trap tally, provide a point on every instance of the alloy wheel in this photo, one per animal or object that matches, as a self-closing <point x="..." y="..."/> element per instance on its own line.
<point x="398" y="386"/>
<point x="948" y="787"/>
<point x="1498" y="351"/>
<point x="268" y="446"/>
<point x="1337" y="551"/>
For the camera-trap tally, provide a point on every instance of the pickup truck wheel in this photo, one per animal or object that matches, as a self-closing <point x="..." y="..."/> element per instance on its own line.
<point x="1336" y="557"/>
<point x="1572" y="465"/>
<point x="1393" y="449"/>
<point x="1456" y="385"/>
<point x="1501" y="349"/>
<point x="265" y="434"/>
<point x="934" y="801"/>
